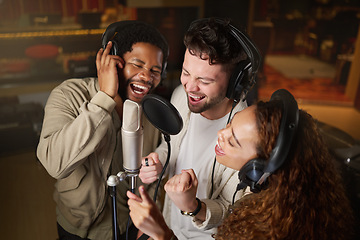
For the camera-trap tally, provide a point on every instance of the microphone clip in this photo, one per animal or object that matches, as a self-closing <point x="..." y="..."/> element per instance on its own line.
<point x="114" y="180"/>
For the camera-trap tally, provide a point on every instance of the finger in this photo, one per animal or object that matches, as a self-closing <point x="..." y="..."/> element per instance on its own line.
<point x="147" y="177"/>
<point x="154" y="156"/>
<point x="149" y="161"/>
<point x="106" y="52"/>
<point x="149" y="169"/>
<point x="146" y="162"/>
<point x="148" y="172"/>
<point x="148" y="180"/>
<point x="98" y="58"/>
<point x="108" y="48"/>
<point x="121" y="62"/>
<point x="191" y="174"/>
<point x="144" y="195"/>
<point x="185" y="178"/>
<point x="133" y="196"/>
<point x="171" y="184"/>
<point x="168" y="185"/>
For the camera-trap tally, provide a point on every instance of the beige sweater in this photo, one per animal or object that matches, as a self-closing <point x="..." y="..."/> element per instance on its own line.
<point x="80" y="146"/>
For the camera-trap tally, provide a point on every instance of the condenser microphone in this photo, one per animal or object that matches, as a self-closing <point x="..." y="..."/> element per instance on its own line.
<point x="132" y="137"/>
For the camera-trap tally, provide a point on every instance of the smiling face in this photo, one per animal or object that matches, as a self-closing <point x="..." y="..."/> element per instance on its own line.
<point x="205" y="85"/>
<point x="237" y="142"/>
<point x="142" y="70"/>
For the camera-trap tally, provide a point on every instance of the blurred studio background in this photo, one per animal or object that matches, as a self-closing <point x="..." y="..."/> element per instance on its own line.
<point x="310" y="47"/>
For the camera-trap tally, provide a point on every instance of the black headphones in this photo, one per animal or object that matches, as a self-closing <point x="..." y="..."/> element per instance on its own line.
<point x="255" y="172"/>
<point x="115" y="28"/>
<point x="111" y="31"/>
<point x="243" y="76"/>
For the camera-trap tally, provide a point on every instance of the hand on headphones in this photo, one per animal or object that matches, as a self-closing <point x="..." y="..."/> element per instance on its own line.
<point x="107" y="70"/>
<point x="182" y="190"/>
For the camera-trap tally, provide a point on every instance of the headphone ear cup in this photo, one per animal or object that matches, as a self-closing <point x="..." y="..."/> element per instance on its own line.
<point x="164" y="72"/>
<point x="114" y="49"/>
<point x="109" y="32"/>
<point x="250" y="174"/>
<point x="238" y="81"/>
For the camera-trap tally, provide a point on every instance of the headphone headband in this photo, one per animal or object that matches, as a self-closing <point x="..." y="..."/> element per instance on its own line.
<point x="249" y="47"/>
<point x="288" y="128"/>
<point x="255" y="172"/>
<point x="116" y="29"/>
<point x="243" y="76"/>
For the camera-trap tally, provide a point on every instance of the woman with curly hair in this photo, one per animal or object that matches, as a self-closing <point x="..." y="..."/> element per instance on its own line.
<point x="302" y="199"/>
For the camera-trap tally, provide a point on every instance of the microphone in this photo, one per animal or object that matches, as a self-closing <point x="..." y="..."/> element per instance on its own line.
<point x="132" y="147"/>
<point x="132" y="137"/>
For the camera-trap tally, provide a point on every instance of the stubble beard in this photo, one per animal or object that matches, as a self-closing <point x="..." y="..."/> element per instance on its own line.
<point x="207" y="105"/>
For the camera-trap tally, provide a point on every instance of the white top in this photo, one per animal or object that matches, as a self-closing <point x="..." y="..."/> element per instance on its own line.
<point x="196" y="152"/>
<point x="225" y="179"/>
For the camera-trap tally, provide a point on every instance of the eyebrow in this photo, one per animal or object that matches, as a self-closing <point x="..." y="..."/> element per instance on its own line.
<point x="142" y="62"/>
<point x="204" y="78"/>
<point x="237" y="141"/>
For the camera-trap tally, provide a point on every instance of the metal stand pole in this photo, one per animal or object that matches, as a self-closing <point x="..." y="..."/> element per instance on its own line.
<point x="112" y="182"/>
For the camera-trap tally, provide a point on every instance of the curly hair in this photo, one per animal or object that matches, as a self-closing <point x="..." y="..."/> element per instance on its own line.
<point x="305" y="198"/>
<point x="127" y="33"/>
<point x="211" y="39"/>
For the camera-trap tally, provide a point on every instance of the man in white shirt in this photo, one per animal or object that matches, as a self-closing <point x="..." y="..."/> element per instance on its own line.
<point x="219" y="68"/>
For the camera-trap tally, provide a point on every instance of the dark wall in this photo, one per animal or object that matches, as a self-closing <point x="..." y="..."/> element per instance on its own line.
<point x="237" y="11"/>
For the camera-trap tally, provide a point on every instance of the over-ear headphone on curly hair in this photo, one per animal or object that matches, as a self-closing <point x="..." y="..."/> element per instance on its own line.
<point x="256" y="171"/>
<point x="109" y="35"/>
<point x="118" y="27"/>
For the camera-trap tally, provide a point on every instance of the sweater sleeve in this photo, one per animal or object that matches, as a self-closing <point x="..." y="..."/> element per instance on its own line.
<point x="72" y="128"/>
<point x="226" y="181"/>
<point x="217" y="207"/>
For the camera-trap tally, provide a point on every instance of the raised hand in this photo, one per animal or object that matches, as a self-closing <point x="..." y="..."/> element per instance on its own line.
<point x="107" y="70"/>
<point x="151" y="167"/>
<point x="146" y="216"/>
<point x="182" y="189"/>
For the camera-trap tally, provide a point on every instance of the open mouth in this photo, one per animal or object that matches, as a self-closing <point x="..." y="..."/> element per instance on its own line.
<point x="195" y="99"/>
<point x="218" y="150"/>
<point x="139" y="89"/>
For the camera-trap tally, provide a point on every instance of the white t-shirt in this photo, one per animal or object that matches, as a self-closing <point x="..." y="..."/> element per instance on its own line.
<point x="197" y="151"/>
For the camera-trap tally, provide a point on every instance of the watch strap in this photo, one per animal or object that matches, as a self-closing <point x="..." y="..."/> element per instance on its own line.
<point x="196" y="211"/>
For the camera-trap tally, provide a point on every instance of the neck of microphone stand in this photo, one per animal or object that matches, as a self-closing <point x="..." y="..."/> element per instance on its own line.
<point x="132" y="175"/>
<point x="133" y="183"/>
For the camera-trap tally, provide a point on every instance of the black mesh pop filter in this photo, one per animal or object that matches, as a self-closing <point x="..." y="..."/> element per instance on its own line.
<point x="162" y="114"/>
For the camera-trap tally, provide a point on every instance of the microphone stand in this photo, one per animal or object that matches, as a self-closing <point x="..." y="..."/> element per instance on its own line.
<point x="112" y="182"/>
<point x="132" y="175"/>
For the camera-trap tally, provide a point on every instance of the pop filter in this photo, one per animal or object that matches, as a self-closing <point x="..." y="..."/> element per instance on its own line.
<point x="162" y="114"/>
<point x="166" y="118"/>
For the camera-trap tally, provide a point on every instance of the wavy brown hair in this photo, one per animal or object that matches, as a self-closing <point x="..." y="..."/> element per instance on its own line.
<point x="211" y="39"/>
<point x="305" y="198"/>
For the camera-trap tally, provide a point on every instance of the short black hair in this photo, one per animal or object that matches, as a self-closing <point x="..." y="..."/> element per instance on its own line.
<point x="126" y="33"/>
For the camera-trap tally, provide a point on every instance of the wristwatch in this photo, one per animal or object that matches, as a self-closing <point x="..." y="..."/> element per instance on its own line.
<point x="196" y="211"/>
